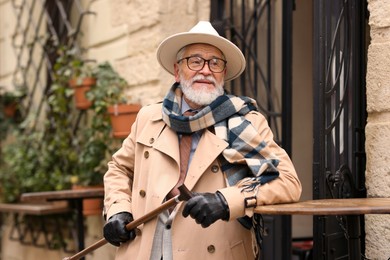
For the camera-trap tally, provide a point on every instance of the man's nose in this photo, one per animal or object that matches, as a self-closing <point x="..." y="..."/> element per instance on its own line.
<point x="206" y="68"/>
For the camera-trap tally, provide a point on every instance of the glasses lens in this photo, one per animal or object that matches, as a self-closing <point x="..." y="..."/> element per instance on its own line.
<point x="216" y="65"/>
<point x="197" y="63"/>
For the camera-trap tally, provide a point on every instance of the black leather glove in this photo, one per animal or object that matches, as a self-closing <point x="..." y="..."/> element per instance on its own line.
<point x="114" y="231"/>
<point x="206" y="208"/>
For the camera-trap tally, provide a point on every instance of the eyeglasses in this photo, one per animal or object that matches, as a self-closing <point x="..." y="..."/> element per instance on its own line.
<point x="196" y="63"/>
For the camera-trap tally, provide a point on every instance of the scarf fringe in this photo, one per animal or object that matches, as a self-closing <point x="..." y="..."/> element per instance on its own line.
<point x="255" y="246"/>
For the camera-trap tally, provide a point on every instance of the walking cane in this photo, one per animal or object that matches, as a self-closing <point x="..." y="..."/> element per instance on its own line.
<point x="184" y="195"/>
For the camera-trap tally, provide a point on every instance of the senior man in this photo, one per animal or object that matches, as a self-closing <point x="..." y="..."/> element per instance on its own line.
<point x="232" y="163"/>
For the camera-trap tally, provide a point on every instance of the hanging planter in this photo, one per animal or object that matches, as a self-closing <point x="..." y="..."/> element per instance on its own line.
<point x="122" y="118"/>
<point x="81" y="86"/>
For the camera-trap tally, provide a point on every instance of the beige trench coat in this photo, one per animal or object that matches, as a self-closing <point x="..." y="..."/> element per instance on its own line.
<point x="146" y="168"/>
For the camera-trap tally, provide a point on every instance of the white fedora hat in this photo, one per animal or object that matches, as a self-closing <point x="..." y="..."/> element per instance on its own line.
<point x="203" y="32"/>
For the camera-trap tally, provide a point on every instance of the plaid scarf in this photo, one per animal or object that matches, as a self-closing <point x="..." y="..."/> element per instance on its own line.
<point x="246" y="161"/>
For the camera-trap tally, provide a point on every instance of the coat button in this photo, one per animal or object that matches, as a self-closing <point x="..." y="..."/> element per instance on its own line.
<point x="146" y="154"/>
<point x="142" y="193"/>
<point x="214" y="168"/>
<point x="151" y="140"/>
<point x="211" y="248"/>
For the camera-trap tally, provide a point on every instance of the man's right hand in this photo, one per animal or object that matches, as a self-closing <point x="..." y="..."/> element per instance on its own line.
<point x="115" y="232"/>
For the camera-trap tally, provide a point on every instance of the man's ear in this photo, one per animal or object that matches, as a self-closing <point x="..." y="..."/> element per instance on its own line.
<point x="176" y="69"/>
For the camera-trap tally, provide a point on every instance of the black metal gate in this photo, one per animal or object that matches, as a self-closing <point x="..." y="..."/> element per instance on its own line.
<point x="339" y="115"/>
<point x="253" y="26"/>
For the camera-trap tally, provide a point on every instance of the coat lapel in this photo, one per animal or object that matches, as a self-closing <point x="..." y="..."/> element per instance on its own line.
<point x="168" y="143"/>
<point x="209" y="148"/>
<point x="164" y="138"/>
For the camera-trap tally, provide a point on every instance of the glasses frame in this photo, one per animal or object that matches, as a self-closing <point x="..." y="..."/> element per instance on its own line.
<point x="204" y="63"/>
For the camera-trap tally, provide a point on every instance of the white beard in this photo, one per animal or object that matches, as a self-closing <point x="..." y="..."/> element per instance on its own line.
<point x="202" y="96"/>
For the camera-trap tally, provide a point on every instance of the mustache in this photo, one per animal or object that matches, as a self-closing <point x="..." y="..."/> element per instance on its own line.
<point x="201" y="77"/>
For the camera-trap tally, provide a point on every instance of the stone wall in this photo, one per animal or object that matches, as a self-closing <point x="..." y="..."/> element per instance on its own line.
<point x="378" y="126"/>
<point x="132" y="33"/>
<point x="7" y="55"/>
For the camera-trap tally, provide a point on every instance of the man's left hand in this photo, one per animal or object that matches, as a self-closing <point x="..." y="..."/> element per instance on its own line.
<point x="206" y="208"/>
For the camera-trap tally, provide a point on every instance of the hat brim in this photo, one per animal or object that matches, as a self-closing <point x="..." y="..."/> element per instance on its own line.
<point x="167" y="51"/>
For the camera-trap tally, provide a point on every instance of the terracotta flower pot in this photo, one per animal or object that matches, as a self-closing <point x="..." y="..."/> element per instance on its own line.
<point x="80" y="88"/>
<point x="10" y="110"/>
<point x="122" y="118"/>
<point x="91" y="206"/>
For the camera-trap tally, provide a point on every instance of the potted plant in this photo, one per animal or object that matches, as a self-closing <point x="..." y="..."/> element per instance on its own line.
<point x="122" y="117"/>
<point x="10" y="112"/>
<point x="109" y="94"/>
<point x="94" y="146"/>
<point x="81" y="84"/>
<point x="10" y="100"/>
<point x="81" y="76"/>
